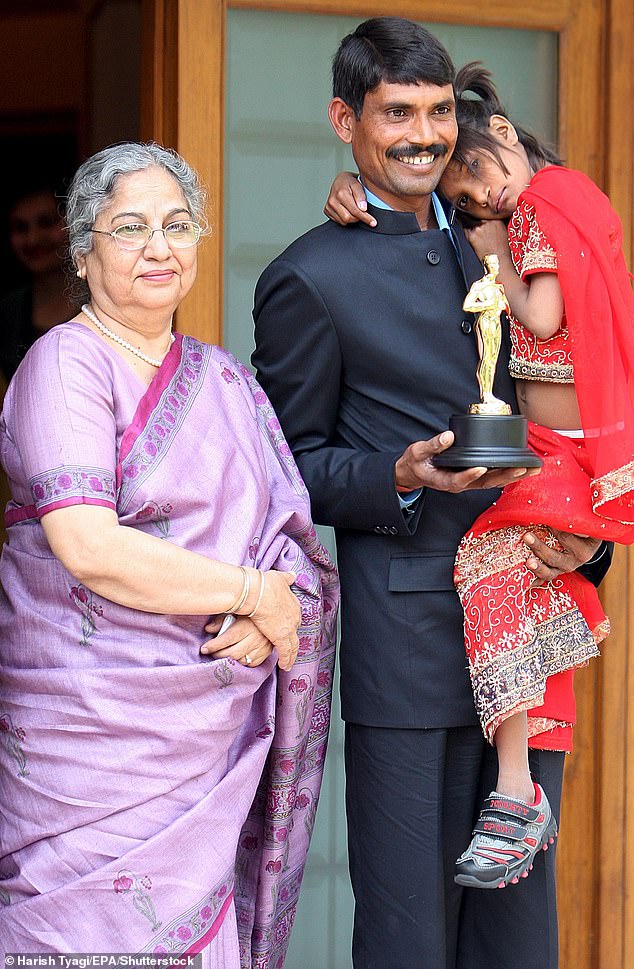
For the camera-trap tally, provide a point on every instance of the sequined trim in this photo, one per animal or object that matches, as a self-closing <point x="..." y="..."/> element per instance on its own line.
<point x="534" y="359"/>
<point x="539" y="725"/>
<point x="515" y="680"/>
<point x="541" y="370"/>
<point x="613" y="486"/>
<point x="480" y="556"/>
<point x="602" y="631"/>
<point x="516" y="635"/>
<point x="530" y="250"/>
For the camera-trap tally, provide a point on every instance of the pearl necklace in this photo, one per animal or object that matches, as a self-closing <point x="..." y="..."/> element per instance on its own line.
<point x="153" y="361"/>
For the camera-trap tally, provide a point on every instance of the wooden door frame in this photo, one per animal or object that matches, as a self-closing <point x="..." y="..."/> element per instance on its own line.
<point x="183" y="88"/>
<point x="182" y="106"/>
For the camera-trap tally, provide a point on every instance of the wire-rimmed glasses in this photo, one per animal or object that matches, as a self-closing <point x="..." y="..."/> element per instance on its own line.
<point x="136" y="235"/>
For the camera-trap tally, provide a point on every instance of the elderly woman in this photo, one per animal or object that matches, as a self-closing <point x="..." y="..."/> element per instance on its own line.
<point x="159" y="787"/>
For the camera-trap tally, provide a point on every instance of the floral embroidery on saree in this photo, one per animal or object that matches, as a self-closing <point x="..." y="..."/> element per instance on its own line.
<point x="229" y="376"/>
<point x="158" y="428"/>
<point x="306" y="803"/>
<point x="156" y="515"/>
<point x="302" y="688"/>
<point x="138" y="888"/>
<point x="268" y="944"/>
<point x="13" y="738"/>
<point x="85" y="601"/>
<point x="223" y="672"/>
<point x="69" y="482"/>
<point x="266" y="416"/>
<point x="286" y="798"/>
<point x="183" y="932"/>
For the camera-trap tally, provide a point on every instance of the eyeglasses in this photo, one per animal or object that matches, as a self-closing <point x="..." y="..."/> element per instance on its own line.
<point x="179" y="235"/>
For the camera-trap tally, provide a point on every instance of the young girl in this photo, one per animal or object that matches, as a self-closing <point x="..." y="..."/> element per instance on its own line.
<point x="572" y="354"/>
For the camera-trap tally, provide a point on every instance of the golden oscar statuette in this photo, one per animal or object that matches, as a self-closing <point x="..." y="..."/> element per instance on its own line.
<point x="489" y="435"/>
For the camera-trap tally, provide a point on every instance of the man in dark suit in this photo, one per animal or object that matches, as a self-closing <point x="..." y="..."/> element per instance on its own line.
<point x="363" y="346"/>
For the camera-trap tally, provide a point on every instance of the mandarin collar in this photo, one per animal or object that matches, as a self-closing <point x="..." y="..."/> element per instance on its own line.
<point x="389" y="222"/>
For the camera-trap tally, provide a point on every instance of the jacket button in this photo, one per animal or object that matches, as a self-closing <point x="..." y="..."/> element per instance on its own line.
<point x="393" y="530"/>
<point x="466" y="326"/>
<point x="433" y="257"/>
<point x="377" y="529"/>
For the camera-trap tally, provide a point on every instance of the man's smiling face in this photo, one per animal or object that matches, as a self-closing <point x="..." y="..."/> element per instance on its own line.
<point x="403" y="140"/>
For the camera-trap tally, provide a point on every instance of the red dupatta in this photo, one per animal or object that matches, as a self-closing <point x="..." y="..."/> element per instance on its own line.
<point x="586" y="234"/>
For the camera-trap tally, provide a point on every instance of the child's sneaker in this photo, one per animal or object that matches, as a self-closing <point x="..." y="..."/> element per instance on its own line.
<point x="507" y="836"/>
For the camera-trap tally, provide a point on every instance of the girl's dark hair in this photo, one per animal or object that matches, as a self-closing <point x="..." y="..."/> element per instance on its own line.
<point x="473" y="115"/>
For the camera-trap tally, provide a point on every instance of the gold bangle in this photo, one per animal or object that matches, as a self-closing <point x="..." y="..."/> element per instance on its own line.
<point x="246" y="585"/>
<point x="259" y="598"/>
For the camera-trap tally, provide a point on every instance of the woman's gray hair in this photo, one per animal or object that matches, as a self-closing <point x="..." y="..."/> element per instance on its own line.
<point x="95" y="182"/>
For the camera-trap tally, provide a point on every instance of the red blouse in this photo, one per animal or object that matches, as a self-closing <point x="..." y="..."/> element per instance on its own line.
<point x="531" y="252"/>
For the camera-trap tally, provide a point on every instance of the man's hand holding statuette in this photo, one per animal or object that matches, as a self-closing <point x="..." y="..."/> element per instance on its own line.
<point x="415" y="469"/>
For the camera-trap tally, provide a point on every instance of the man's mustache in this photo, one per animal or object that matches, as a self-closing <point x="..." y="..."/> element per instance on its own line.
<point x="413" y="151"/>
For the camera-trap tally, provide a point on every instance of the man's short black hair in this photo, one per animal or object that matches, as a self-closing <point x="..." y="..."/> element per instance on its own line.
<point x="387" y="49"/>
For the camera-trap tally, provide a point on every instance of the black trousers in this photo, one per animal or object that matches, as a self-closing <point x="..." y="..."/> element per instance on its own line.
<point x="411" y="799"/>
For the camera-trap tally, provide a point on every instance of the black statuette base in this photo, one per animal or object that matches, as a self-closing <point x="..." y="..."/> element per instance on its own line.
<point x="488" y="441"/>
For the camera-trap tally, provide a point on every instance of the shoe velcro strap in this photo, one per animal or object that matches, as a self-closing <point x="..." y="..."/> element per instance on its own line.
<point x="496" y="828"/>
<point x="508" y="805"/>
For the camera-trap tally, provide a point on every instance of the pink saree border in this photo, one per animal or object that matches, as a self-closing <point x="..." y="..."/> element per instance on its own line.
<point x="150" y="398"/>
<point x="213" y="930"/>
<point x="159" y="415"/>
<point x="30" y="513"/>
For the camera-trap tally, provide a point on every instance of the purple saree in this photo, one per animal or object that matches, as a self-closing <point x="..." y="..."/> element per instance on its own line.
<point x="153" y="801"/>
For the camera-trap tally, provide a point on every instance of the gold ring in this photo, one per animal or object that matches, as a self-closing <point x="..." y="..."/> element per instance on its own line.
<point x="247" y="659"/>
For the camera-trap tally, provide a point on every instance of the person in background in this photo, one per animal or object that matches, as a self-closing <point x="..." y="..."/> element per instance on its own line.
<point x="159" y="784"/>
<point x="37" y="237"/>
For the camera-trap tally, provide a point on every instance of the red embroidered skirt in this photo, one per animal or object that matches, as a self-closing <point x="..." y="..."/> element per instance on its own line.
<point x="523" y="643"/>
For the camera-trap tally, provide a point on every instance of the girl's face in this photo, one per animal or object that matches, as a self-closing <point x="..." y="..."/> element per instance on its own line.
<point x="483" y="189"/>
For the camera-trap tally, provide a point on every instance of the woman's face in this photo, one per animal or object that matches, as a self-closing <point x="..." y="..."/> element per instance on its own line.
<point x="36" y="233"/>
<point x="156" y="278"/>
<point x="482" y="188"/>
